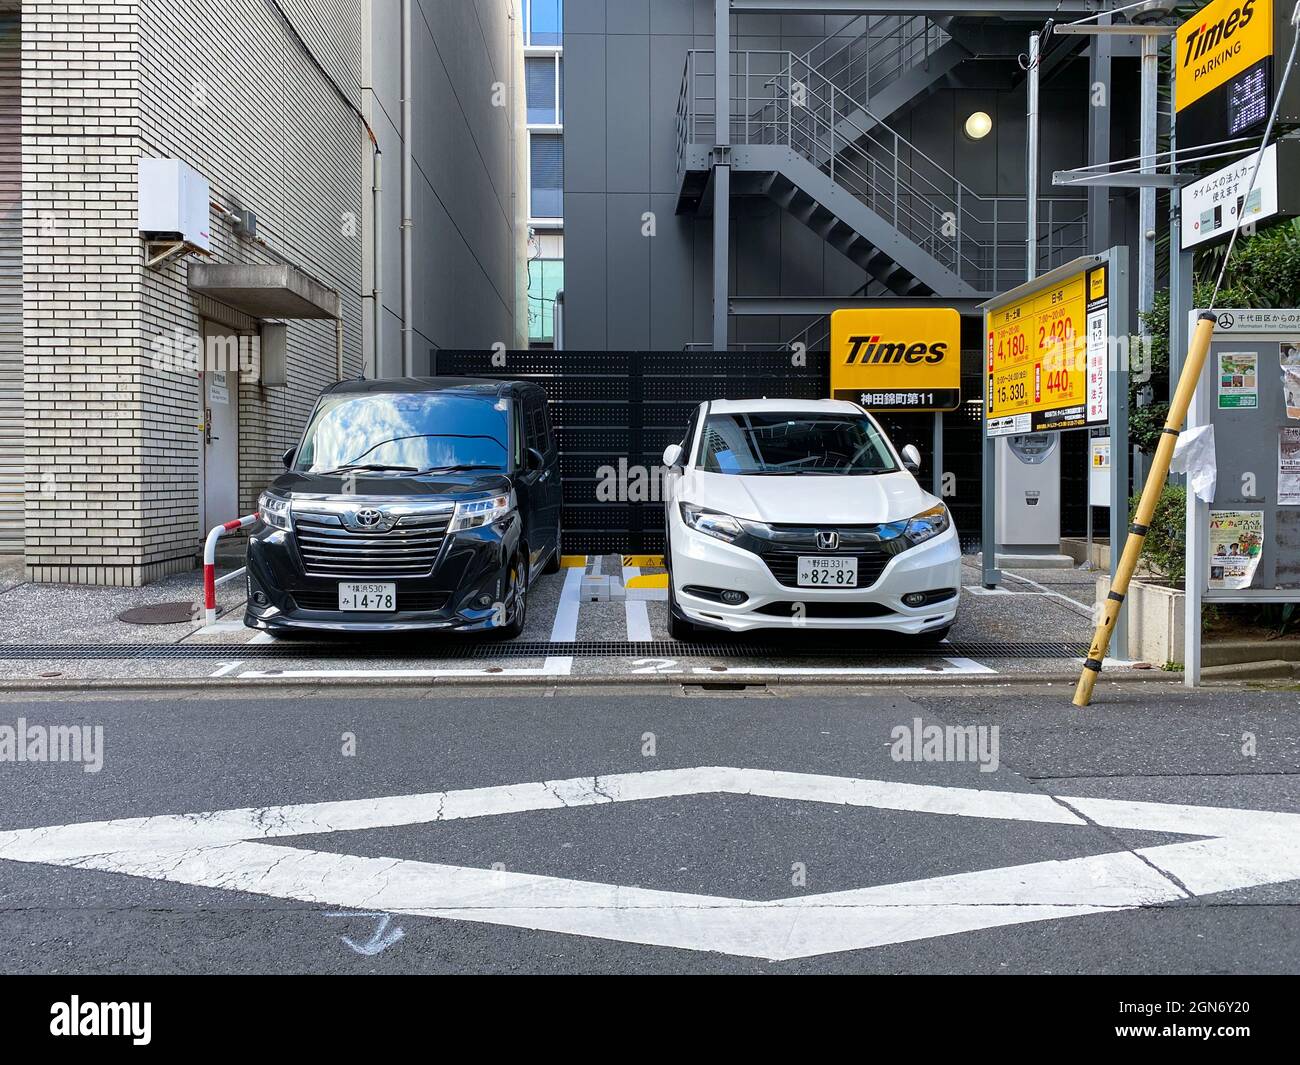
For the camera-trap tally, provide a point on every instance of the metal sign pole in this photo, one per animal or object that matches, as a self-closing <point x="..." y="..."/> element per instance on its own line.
<point x="1087" y="480"/>
<point x="1117" y="311"/>
<point x="937" y="451"/>
<point x="1197" y="562"/>
<point x="988" y="520"/>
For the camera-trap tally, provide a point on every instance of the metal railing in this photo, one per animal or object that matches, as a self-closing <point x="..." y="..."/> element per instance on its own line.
<point x="869" y="53"/>
<point x="779" y="99"/>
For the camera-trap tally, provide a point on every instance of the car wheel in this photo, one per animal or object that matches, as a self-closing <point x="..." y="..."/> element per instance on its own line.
<point x="519" y="601"/>
<point x="932" y="638"/>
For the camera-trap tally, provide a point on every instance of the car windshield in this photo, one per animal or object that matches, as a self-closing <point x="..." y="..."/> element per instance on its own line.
<point x="406" y="432"/>
<point x="775" y="443"/>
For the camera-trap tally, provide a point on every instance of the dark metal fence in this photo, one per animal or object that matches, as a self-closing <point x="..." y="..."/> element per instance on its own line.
<point x="617" y="410"/>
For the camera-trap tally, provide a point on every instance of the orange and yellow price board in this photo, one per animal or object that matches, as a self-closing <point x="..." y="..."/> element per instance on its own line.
<point x="1046" y="358"/>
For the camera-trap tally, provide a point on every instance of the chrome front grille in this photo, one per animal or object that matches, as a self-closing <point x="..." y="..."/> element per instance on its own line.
<point x="329" y="549"/>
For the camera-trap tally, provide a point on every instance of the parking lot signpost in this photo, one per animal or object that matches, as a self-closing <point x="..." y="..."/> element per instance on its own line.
<point x="1056" y="359"/>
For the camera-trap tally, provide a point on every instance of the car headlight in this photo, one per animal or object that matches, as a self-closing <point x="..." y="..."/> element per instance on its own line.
<point x="273" y="510"/>
<point x="476" y="513"/>
<point x="711" y="522"/>
<point x="927" y="525"/>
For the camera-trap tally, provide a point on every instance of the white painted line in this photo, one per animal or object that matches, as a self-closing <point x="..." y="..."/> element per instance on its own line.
<point x="220" y="850"/>
<point x="263" y="637"/>
<point x="565" y="627"/>
<point x="229" y="668"/>
<point x="231" y="576"/>
<point x="556" y="666"/>
<point x="222" y="628"/>
<point x="638" y="616"/>
<point x="1082" y="607"/>
<point x="956" y="666"/>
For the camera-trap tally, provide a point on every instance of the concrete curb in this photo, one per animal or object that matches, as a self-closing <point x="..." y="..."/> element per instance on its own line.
<point x="649" y="680"/>
<point x="1272" y="669"/>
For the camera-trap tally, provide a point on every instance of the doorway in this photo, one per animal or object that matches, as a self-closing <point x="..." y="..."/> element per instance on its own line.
<point x="219" y="399"/>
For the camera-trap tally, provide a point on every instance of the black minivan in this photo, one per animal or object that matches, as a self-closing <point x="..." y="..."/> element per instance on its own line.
<point x="410" y="504"/>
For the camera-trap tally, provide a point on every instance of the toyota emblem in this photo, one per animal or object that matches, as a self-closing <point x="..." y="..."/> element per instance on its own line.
<point x="828" y="541"/>
<point x="369" y="517"/>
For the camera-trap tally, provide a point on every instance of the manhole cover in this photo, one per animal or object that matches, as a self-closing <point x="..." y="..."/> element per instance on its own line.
<point x="159" y="614"/>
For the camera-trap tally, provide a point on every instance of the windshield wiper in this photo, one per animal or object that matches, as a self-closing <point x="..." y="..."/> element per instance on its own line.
<point x="460" y="468"/>
<point x="371" y="467"/>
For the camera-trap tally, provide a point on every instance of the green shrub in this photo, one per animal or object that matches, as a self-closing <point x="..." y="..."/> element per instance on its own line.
<point x="1164" y="549"/>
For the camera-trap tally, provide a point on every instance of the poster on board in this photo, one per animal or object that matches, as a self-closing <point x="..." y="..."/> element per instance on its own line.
<point x="1290" y="355"/>
<point x="1288" y="467"/>
<point x="1238" y="380"/>
<point x="1236" y="541"/>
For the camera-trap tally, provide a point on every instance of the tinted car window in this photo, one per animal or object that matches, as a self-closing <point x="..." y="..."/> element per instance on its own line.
<point x="419" y="430"/>
<point x="757" y="444"/>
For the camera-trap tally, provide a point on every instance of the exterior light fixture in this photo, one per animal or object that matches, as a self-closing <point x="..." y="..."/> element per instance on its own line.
<point x="978" y="125"/>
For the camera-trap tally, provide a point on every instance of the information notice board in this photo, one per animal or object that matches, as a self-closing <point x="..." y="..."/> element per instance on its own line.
<point x="1245" y="545"/>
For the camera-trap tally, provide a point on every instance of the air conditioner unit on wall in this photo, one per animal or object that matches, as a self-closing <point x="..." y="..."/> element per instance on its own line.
<point x="174" y="203"/>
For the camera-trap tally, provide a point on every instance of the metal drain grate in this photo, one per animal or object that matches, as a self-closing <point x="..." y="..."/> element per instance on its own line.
<point x="520" y="649"/>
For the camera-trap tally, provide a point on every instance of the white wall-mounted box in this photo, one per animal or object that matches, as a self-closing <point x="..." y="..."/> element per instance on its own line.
<point x="174" y="201"/>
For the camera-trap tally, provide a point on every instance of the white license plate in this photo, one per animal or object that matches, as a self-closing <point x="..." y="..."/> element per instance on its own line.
<point x="376" y="597"/>
<point x="826" y="571"/>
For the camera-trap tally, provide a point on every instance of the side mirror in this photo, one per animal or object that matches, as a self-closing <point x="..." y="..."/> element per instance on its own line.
<point x="536" y="461"/>
<point x="911" y="459"/>
<point x="673" y="455"/>
<point x="288" y="457"/>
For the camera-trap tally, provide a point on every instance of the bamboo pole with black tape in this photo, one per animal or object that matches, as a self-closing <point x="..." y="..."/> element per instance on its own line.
<point x="1137" y="533"/>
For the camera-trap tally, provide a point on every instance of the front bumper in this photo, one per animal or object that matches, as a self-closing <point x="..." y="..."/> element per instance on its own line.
<point x="463" y="593"/>
<point x="705" y="562"/>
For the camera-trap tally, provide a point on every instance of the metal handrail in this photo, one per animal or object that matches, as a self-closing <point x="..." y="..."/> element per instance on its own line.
<point x="923" y="200"/>
<point x="885" y="55"/>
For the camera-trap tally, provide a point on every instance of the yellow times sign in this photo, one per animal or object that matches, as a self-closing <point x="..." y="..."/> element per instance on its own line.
<point x="1219" y="42"/>
<point x="1047" y="358"/>
<point x="897" y="358"/>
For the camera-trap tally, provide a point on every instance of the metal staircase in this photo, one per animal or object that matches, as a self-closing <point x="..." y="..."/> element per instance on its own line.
<point x="885" y="62"/>
<point x="816" y="144"/>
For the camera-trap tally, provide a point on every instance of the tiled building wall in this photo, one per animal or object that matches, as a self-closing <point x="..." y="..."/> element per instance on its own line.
<point x="113" y="438"/>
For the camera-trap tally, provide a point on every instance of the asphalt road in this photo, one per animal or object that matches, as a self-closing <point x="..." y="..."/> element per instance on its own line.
<point x="608" y="806"/>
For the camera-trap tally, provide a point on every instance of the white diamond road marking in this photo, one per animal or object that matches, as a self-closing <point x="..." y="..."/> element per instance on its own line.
<point x="218" y="849"/>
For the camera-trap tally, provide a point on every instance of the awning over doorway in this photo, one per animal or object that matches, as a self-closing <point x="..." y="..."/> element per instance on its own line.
<point x="279" y="291"/>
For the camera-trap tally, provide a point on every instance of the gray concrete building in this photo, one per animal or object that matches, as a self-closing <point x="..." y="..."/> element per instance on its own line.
<point x="346" y="184"/>
<point x="909" y="113"/>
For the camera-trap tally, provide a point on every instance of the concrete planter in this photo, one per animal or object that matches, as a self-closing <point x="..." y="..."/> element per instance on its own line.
<point x="1155" y="621"/>
<point x="1077" y="549"/>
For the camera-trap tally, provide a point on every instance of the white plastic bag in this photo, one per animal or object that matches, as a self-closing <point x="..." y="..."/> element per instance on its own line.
<point x="1194" y="456"/>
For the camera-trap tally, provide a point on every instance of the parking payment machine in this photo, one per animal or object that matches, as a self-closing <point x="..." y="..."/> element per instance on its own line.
<point x="1029" y="493"/>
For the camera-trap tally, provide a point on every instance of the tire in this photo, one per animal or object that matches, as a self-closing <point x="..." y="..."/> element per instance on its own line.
<point x="932" y="638"/>
<point x="519" y="581"/>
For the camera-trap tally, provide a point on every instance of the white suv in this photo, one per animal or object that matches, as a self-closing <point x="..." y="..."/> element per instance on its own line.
<point x="800" y="514"/>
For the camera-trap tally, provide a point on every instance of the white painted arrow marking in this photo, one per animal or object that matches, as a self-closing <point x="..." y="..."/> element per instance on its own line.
<point x="1243" y="848"/>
